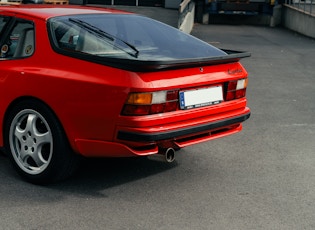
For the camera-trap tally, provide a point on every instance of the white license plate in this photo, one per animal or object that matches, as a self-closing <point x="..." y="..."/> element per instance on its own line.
<point x="200" y="97"/>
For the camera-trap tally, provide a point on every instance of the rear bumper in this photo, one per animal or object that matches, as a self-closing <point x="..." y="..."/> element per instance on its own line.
<point x="147" y="137"/>
<point x="135" y="143"/>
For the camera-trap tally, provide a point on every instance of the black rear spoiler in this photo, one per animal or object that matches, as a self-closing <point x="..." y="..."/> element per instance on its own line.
<point x="160" y="65"/>
<point x="151" y="66"/>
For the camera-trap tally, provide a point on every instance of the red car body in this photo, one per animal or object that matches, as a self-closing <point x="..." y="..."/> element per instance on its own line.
<point x="91" y="100"/>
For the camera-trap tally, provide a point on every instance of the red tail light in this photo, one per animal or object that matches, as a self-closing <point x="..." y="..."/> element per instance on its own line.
<point x="236" y="89"/>
<point x="151" y="103"/>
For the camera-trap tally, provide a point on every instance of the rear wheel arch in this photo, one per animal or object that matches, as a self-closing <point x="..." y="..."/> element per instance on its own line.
<point x="36" y="160"/>
<point x="19" y="100"/>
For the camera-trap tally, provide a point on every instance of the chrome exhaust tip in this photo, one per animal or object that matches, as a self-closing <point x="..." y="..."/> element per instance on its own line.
<point x="164" y="155"/>
<point x="169" y="155"/>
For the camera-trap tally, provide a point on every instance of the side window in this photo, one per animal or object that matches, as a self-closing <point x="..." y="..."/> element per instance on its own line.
<point x="3" y="22"/>
<point x="20" y="43"/>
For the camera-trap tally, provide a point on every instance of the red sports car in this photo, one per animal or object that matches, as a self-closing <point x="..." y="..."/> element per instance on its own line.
<point x="98" y="82"/>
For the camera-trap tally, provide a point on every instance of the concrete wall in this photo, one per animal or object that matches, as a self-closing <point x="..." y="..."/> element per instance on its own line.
<point x="275" y="19"/>
<point x="186" y="16"/>
<point x="298" y="21"/>
<point x="172" y="4"/>
<point x="188" y="22"/>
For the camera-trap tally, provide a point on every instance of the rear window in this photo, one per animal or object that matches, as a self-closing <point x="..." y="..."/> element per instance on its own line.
<point x="127" y="37"/>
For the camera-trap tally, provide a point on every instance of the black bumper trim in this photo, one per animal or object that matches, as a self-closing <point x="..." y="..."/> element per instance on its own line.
<point x="132" y="136"/>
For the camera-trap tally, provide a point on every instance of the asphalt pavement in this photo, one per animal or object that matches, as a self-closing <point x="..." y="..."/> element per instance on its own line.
<point x="262" y="178"/>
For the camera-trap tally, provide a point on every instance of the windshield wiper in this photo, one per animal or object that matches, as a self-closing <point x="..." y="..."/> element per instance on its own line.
<point x="108" y="36"/>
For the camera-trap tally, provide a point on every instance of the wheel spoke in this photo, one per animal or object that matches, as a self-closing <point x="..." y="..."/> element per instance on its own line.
<point x="19" y="141"/>
<point x="38" y="159"/>
<point x="42" y="138"/>
<point x="31" y="123"/>
<point x="24" y="154"/>
<point x="19" y="133"/>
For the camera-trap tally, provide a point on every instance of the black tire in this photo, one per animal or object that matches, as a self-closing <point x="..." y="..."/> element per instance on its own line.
<point x="37" y="145"/>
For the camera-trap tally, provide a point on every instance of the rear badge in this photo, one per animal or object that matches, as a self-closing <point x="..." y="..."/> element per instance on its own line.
<point x="234" y="71"/>
<point x="201" y="69"/>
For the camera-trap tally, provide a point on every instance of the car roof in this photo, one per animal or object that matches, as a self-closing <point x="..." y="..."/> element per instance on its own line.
<point x="45" y="11"/>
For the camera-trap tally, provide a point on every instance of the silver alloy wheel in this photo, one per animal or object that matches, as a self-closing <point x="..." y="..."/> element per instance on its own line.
<point x="31" y="141"/>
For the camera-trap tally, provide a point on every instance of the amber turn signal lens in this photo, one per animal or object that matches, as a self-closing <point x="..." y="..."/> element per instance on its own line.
<point x="139" y="98"/>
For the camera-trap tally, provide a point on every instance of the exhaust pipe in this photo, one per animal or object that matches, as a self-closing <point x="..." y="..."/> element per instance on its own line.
<point x="169" y="155"/>
<point x="166" y="155"/>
